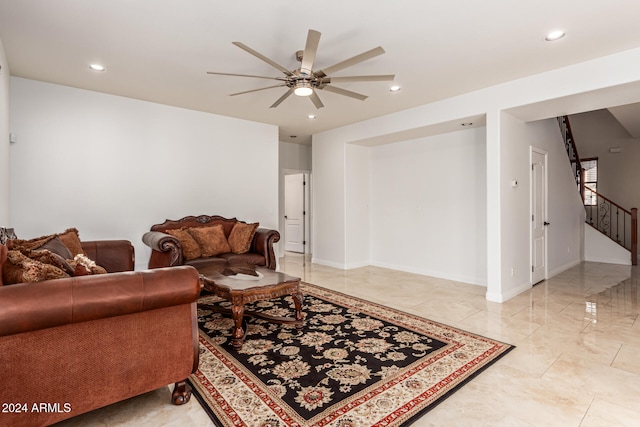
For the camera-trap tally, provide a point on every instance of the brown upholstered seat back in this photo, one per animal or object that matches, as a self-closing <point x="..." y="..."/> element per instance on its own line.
<point x="197" y="221"/>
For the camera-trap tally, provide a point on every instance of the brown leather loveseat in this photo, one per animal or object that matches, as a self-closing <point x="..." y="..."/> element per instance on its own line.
<point x="71" y="345"/>
<point x="172" y="243"/>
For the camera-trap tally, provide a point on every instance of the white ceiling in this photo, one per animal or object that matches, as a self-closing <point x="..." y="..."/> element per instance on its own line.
<point x="160" y="50"/>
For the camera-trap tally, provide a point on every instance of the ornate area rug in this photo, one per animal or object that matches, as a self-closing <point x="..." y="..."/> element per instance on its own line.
<point x="354" y="363"/>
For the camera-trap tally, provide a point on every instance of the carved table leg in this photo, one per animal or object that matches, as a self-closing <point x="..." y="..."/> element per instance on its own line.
<point x="237" y="312"/>
<point x="181" y="393"/>
<point x="298" y="299"/>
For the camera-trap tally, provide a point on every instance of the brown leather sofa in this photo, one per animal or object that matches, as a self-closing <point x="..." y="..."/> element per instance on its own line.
<point x="71" y="345"/>
<point x="166" y="250"/>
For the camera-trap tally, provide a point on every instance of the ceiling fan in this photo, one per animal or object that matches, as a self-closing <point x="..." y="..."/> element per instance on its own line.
<point x="303" y="81"/>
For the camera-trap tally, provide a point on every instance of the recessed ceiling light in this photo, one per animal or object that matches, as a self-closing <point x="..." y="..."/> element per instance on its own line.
<point x="555" y="35"/>
<point x="311" y="116"/>
<point x="395" y="88"/>
<point x="97" y="67"/>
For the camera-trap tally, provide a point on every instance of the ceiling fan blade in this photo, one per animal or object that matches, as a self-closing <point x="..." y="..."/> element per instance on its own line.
<point x="264" y="58"/>
<point x="309" y="54"/>
<point x="245" y="75"/>
<point x="345" y="92"/>
<point x="378" y="78"/>
<point x="316" y="100"/>
<point x="352" y="61"/>
<point x="282" y="98"/>
<point x="256" y="90"/>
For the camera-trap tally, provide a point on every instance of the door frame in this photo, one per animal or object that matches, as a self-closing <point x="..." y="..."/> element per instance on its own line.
<point x="307" y="206"/>
<point x="545" y="154"/>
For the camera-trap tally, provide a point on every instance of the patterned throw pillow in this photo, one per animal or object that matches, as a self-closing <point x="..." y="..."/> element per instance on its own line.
<point x="47" y="257"/>
<point x="211" y="239"/>
<point x="190" y="248"/>
<point x="241" y="237"/>
<point x="69" y="238"/>
<point x="20" y="269"/>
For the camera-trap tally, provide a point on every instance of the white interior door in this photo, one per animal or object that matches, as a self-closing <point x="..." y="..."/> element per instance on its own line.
<point x="538" y="216"/>
<point x="294" y="213"/>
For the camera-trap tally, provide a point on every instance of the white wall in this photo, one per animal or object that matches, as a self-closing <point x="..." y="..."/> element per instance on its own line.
<point x="564" y="208"/>
<point x="4" y="139"/>
<point x="295" y="156"/>
<point x="600" y="248"/>
<point x="328" y="201"/>
<point x="357" y="205"/>
<point x="428" y="206"/>
<point x="611" y="80"/>
<point x="113" y="166"/>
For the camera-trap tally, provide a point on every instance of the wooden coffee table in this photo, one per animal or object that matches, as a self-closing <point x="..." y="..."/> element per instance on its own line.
<point x="242" y="289"/>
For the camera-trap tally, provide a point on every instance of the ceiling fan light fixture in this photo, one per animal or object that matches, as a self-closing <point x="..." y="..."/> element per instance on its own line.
<point x="554" y="35"/>
<point x="303" y="88"/>
<point x="97" y="67"/>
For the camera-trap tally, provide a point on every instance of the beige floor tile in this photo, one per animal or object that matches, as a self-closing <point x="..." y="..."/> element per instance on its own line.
<point x="616" y="386"/>
<point x="605" y="414"/>
<point x="627" y="358"/>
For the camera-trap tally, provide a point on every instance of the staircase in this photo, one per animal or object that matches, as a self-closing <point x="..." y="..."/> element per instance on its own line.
<point x="606" y="216"/>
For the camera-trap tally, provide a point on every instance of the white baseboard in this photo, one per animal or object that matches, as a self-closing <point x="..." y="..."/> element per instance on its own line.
<point x="610" y="260"/>
<point x="425" y="272"/>
<point x="327" y="263"/>
<point x="562" y="268"/>
<point x="502" y="297"/>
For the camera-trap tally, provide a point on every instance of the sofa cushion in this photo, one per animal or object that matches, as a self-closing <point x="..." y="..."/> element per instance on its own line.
<point x="241" y="237"/>
<point x="248" y="258"/>
<point x="212" y="240"/>
<point x="190" y="248"/>
<point x="218" y="262"/>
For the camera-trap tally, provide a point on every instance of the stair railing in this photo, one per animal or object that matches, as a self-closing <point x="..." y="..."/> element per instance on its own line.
<point x="614" y="221"/>
<point x="572" y="152"/>
<point x="619" y="224"/>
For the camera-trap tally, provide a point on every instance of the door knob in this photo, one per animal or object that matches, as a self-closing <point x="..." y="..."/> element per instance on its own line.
<point x="545" y="223"/>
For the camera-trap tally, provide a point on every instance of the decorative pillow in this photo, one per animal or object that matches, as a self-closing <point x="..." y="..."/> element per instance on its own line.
<point x="212" y="240"/>
<point x="83" y="266"/>
<point x="190" y="248"/>
<point x="47" y="257"/>
<point x="55" y="246"/>
<point x="24" y="269"/>
<point x="241" y="237"/>
<point x="71" y="239"/>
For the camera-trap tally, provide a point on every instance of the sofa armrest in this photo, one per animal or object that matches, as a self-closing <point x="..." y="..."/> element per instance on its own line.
<point x="166" y="250"/>
<point x="26" y="307"/>
<point x="263" y="242"/>
<point x="113" y="255"/>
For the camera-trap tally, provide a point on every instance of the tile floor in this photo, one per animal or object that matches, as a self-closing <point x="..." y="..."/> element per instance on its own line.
<point x="576" y="363"/>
